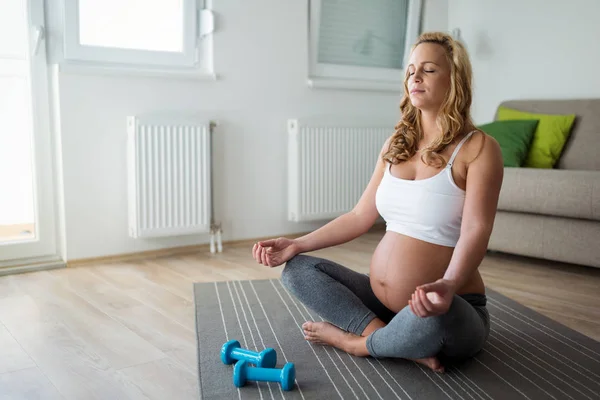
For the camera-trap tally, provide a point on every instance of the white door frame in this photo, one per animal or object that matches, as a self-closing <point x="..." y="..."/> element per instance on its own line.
<point x="44" y="247"/>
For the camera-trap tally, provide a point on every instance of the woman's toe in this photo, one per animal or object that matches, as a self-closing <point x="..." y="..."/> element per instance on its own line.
<point x="307" y="326"/>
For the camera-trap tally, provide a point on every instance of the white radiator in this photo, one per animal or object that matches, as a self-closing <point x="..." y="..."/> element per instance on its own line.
<point x="329" y="166"/>
<point x="169" y="176"/>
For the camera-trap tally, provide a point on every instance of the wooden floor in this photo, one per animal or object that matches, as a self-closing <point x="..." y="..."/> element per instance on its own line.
<point x="126" y="330"/>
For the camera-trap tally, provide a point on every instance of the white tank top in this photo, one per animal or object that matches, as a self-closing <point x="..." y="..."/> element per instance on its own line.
<point x="427" y="209"/>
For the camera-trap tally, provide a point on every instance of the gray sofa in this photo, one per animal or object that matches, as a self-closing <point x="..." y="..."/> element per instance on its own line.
<point x="554" y="213"/>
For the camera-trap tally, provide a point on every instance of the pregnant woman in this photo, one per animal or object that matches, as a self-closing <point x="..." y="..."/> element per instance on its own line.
<point x="436" y="184"/>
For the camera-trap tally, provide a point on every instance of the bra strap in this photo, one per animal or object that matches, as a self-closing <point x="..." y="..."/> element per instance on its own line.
<point x="458" y="148"/>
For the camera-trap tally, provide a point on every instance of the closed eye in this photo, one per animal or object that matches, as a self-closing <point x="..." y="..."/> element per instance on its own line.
<point x="412" y="73"/>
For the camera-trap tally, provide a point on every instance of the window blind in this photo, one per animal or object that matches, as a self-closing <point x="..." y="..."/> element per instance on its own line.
<point x="363" y="33"/>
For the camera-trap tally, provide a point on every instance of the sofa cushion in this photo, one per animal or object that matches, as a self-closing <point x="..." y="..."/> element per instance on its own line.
<point x="514" y="138"/>
<point x="562" y="193"/>
<point x="549" y="139"/>
<point x="583" y="146"/>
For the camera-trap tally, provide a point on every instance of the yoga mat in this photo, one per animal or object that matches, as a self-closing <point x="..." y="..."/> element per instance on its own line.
<point x="527" y="356"/>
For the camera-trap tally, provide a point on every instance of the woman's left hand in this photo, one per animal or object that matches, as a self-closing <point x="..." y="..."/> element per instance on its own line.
<point x="432" y="299"/>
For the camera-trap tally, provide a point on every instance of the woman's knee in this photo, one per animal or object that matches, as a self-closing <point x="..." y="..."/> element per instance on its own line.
<point x="420" y="329"/>
<point x="294" y="271"/>
<point x="433" y="326"/>
<point x="408" y="336"/>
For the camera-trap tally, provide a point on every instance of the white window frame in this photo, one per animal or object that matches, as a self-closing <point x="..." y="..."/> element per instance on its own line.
<point x="357" y="77"/>
<point x="197" y="23"/>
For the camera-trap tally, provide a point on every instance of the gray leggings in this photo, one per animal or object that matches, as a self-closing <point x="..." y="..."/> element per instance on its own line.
<point x="344" y="298"/>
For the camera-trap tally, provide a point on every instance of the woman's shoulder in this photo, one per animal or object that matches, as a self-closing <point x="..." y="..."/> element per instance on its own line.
<point x="479" y="144"/>
<point x="482" y="155"/>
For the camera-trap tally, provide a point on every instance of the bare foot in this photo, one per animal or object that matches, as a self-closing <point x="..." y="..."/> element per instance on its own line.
<point x="326" y="333"/>
<point x="431" y="362"/>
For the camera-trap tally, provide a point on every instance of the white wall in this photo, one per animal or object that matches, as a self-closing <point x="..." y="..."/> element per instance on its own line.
<point x="261" y="57"/>
<point x="529" y="49"/>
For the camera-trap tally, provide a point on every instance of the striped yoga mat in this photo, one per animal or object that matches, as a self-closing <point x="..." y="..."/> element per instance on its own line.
<point x="528" y="356"/>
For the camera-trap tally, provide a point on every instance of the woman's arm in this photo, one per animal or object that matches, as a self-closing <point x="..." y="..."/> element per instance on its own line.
<point x="352" y="224"/>
<point x="360" y="219"/>
<point x="484" y="181"/>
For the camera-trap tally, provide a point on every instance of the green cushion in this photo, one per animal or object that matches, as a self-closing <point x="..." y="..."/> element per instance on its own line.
<point x="514" y="137"/>
<point x="549" y="138"/>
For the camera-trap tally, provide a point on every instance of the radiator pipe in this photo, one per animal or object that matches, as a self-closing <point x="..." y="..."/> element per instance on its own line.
<point x="215" y="228"/>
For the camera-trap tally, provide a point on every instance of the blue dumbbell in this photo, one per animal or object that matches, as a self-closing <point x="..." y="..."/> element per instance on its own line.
<point x="285" y="376"/>
<point x="231" y="351"/>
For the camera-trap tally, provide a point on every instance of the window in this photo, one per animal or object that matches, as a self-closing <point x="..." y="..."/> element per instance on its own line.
<point x="145" y="33"/>
<point x="360" y="44"/>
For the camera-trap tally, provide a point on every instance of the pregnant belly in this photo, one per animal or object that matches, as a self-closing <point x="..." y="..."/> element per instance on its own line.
<point x="401" y="263"/>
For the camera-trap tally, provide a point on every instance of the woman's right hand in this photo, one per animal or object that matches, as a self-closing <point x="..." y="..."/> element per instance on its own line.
<point x="274" y="252"/>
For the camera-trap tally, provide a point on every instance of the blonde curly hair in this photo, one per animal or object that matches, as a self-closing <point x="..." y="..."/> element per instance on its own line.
<point x="454" y="116"/>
